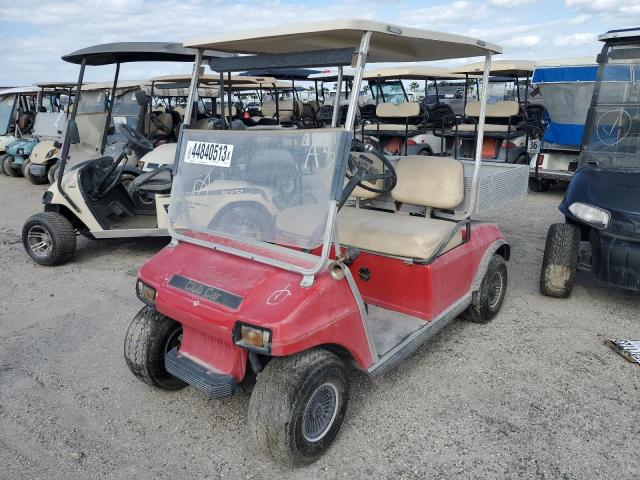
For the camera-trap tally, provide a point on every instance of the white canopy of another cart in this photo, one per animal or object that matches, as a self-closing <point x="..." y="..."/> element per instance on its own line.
<point x="413" y="73"/>
<point x="520" y="68"/>
<point x="14" y="90"/>
<point x="389" y="43"/>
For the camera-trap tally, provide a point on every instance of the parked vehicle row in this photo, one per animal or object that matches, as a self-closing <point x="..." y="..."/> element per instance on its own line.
<point x="308" y="237"/>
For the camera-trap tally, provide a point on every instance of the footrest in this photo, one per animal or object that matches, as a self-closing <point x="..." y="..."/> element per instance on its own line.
<point x="215" y="385"/>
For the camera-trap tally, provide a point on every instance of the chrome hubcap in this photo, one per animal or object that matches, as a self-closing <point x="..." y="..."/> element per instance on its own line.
<point x="40" y="241"/>
<point x="495" y="289"/>
<point x="320" y="412"/>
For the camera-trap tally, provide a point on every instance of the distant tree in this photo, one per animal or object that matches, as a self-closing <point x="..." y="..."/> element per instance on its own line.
<point x="414" y="86"/>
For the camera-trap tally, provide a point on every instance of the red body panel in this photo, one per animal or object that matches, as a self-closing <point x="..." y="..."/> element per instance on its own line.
<point x="302" y="318"/>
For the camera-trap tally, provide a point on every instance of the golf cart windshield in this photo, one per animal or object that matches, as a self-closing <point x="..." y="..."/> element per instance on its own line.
<point x="6" y="108"/>
<point x="266" y="186"/>
<point x="613" y="130"/>
<point x="125" y="107"/>
<point x="392" y="92"/>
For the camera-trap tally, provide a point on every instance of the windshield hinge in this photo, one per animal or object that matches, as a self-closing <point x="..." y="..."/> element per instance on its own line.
<point x="307" y="281"/>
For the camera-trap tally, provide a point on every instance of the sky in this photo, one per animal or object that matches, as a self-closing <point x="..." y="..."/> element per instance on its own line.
<point x="34" y="34"/>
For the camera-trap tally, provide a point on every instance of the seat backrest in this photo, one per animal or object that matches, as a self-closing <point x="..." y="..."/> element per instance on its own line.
<point x="285" y="107"/>
<point x="504" y="109"/>
<point x="436" y="182"/>
<point x="403" y="110"/>
<point x="233" y="109"/>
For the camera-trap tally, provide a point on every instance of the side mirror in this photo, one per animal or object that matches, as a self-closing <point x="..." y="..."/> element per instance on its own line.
<point x="73" y="137"/>
<point x="142" y="98"/>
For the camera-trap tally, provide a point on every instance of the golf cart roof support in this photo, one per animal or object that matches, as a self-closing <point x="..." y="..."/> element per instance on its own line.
<point x="65" y="146"/>
<point x="336" y="101"/>
<point x="193" y="92"/>
<point x="112" y="99"/>
<point x="229" y="93"/>
<point x="480" y="135"/>
<point x="361" y="60"/>
<point x="333" y="57"/>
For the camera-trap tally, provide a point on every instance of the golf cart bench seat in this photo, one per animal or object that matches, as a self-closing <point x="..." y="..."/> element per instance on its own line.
<point x="390" y="111"/>
<point x="505" y="111"/>
<point x="436" y="182"/>
<point x="155" y="181"/>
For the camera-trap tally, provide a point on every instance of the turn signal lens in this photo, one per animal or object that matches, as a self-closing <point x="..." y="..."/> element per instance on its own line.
<point x="252" y="338"/>
<point x="146" y="293"/>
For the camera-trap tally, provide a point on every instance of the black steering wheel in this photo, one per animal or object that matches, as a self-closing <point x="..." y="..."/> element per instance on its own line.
<point x="362" y="169"/>
<point x="135" y="138"/>
<point x="99" y="191"/>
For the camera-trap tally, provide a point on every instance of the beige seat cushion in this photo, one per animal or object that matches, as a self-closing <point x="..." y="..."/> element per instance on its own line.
<point x="389" y="127"/>
<point x="488" y="127"/>
<point x="394" y="234"/>
<point x="504" y="109"/>
<point x="285" y="108"/>
<point x="403" y="110"/>
<point x="429" y="181"/>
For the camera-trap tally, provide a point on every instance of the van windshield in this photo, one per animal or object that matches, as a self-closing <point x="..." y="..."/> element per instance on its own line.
<point x="613" y="132"/>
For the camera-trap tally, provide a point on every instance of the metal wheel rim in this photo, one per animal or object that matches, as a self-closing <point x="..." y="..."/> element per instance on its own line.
<point x="242" y="227"/>
<point x="320" y="412"/>
<point x="174" y="340"/>
<point x="40" y="241"/>
<point x="495" y="289"/>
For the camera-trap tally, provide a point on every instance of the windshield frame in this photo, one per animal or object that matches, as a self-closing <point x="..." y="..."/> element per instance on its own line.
<point x="4" y="129"/>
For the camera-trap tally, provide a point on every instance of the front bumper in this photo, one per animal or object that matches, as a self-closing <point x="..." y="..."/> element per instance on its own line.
<point x="561" y="175"/>
<point x="214" y="384"/>
<point x="618" y="261"/>
<point x="38" y="170"/>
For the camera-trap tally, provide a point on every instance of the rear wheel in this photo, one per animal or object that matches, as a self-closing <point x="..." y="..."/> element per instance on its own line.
<point x="2" y="157"/>
<point x="33" y="179"/>
<point x="245" y="221"/>
<point x="49" y="238"/>
<point x="560" y="260"/>
<point x="298" y="405"/>
<point x="149" y="337"/>
<point x="7" y="162"/>
<point x="487" y="301"/>
<point x="539" y="184"/>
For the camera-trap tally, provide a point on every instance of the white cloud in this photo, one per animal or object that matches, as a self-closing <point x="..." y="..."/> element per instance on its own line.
<point x="575" y="39"/>
<point x="579" y="19"/>
<point x="510" y="3"/>
<point x="523" y="41"/>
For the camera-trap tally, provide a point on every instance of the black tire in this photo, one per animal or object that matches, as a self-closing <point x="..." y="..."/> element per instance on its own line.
<point x="52" y="172"/>
<point x="56" y="234"/>
<point x="245" y="220"/>
<point x="149" y="337"/>
<point x="488" y="300"/>
<point x="7" y="160"/>
<point x="31" y="178"/>
<point x="281" y="398"/>
<point x="2" y="157"/>
<point x="522" y="159"/>
<point x="426" y="152"/>
<point x="560" y="260"/>
<point x="539" y="184"/>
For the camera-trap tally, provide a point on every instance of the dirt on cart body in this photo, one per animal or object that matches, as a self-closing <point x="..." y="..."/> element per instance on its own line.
<point x="533" y="394"/>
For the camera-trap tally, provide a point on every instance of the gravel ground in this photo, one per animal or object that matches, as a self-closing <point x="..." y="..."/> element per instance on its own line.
<point x="534" y="394"/>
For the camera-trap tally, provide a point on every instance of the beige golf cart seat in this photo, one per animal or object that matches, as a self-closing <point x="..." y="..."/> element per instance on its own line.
<point x="233" y="110"/>
<point x="284" y="107"/>
<point x="161" y="124"/>
<point x="436" y="182"/>
<point x="502" y="117"/>
<point x="388" y="112"/>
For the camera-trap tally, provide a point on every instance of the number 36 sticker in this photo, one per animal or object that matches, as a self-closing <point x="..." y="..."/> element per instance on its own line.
<point x="206" y="153"/>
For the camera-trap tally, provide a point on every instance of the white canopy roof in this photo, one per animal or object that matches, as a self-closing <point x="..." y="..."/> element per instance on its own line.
<point x="520" y="68"/>
<point x="14" y="90"/>
<point x="215" y="79"/>
<point x="56" y="85"/>
<point x="413" y="73"/>
<point x="389" y="43"/>
<point x="124" y="84"/>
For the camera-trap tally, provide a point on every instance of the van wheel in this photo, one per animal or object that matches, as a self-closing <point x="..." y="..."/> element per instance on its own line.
<point x="560" y="260"/>
<point x="31" y="178"/>
<point x="298" y="405"/>
<point x="149" y="337"/>
<point x="487" y="301"/>
<point x="51" y="174"/>
<point x="7" y="161"/>
<point x="539" y="184"/>
<point x="49" y="238"/>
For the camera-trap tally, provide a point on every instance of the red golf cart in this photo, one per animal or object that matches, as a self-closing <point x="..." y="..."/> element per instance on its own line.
<point x="361" y="259"/>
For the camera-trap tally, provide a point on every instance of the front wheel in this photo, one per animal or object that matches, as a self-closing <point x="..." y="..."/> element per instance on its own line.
<point x="560" y="260"/>
<point x="49" y="238"/>
<point x="33" y="179"/>
<point x="298" y="405"/>
<point x="487" y="301"/>
<point x="51" y="174"/>
<point x="149" y="337"/>
<point x="539" y="184"/>
<point x="7" y="162"/>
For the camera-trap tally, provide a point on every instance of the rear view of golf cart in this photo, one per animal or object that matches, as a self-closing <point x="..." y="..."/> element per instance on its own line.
<point x="602" y="202"/>
<point x="17" y="116"/>
<point x="331" y="281"/>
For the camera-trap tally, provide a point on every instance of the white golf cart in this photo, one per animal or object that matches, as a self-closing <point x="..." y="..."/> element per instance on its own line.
<point x="17" y="116"/>
<point x="288" y="307"/>
<point x="98" y="197"/>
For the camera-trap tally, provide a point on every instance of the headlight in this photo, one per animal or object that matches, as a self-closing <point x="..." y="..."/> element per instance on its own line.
<point x="146" y="293"/>
<point x="594" y="216"/>
<point x="253" y="338"/>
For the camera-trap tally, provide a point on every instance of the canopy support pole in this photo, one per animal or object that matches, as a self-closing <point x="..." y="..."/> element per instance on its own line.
<point x="112" y="99"/>
<point x="193" y="90"/>
<point x="336" y="101"/>
<point x="361" y="61"/>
